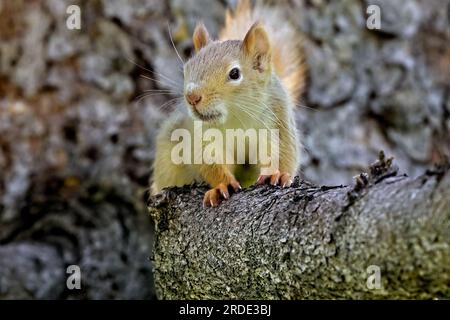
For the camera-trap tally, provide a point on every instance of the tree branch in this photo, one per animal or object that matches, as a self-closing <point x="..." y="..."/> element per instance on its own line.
<point x="307" y="241"/>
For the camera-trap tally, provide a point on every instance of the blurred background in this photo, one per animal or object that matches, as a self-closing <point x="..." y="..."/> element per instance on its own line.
<point x="77" y="136"/>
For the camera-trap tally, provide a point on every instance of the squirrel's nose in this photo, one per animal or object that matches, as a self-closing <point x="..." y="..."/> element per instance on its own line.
<point x="193" y="99"/>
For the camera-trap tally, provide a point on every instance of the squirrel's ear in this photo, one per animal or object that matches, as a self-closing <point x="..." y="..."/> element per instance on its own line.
<point x="256" y="44"/>
<point x="201" y="37"/>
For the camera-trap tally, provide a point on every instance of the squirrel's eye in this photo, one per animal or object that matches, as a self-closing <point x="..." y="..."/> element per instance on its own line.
<point x="234" y="74"/>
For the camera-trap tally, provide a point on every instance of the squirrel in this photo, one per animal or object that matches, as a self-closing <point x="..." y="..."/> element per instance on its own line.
<point x="250" y="77"/>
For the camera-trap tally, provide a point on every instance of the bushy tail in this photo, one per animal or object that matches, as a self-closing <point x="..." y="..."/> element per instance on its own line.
<point x="285" y="41"/>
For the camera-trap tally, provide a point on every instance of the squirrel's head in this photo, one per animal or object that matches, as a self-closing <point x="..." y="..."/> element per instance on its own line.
<point x="223" y="75"/>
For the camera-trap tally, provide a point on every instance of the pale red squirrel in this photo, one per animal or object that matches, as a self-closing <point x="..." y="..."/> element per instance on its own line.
<point x="248" y="78"/>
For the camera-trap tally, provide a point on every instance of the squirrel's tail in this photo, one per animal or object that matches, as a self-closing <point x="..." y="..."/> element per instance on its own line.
<point x="285" y="41"/>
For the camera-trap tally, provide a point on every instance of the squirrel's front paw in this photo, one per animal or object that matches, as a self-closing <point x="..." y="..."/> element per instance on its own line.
<point x="214" y="196"/>
<point x="282" y="179"/>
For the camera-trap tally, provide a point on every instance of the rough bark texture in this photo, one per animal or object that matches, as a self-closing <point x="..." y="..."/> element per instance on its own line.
<point x="307" y="241"/>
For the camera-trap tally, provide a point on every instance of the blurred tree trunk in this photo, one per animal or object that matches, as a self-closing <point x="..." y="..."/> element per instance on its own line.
<point x="308" y="241"/>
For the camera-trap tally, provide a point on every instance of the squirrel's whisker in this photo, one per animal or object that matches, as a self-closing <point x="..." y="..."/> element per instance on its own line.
<point x="232" y="113"/>
<point x="168" y="103"/>
<point x="173" y="44"/>
<point x="170" y="85"/>
<point x="146" y="94"/>
<point x="158" y="91"/>
<point x="306" y="107"/>
<point x="253" y="115"/>
<point x="276" y="120"/>
<point x="153" y="72"/>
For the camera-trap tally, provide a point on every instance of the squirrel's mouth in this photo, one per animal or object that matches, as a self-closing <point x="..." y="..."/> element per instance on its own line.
<point x="210" y="117"/>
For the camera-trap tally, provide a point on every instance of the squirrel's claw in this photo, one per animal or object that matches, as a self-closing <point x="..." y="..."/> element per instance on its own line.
<point x="282" y="179"/>
<point x="285" y="180"/>
<point x="236" y="186"/>
<point x="214" y="196"/>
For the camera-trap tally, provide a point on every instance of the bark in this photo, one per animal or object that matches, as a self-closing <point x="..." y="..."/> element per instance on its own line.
<point x="307" y="241"/>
